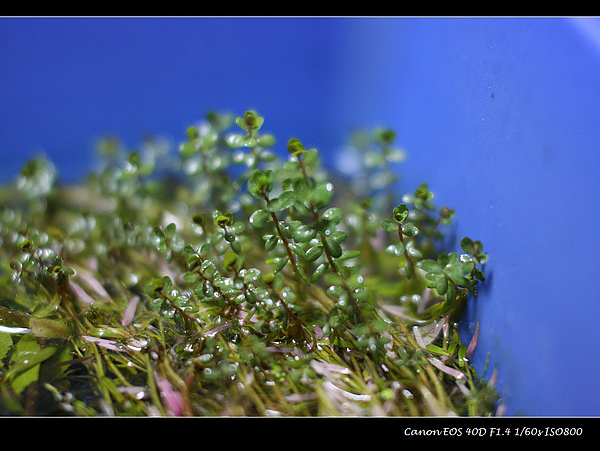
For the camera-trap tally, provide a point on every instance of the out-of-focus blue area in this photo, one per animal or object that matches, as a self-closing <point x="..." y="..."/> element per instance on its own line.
<point x="500" y="115"/>
<point x="64" y="82"/>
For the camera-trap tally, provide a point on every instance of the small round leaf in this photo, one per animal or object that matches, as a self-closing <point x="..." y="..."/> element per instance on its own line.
<point x="259" y="218"/>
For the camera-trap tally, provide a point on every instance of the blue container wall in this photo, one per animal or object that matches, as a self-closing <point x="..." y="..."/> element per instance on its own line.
<point x="64" y="82"/>
<point x="500" y="116"/>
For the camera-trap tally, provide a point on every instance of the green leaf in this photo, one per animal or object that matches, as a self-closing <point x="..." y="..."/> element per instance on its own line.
<point x="423" y="193"/>
<point x="395" y="155"/>
<point x="389" y="225"/>
<point x="167" y="283"/>
<point x="285" y="200"/>
<point x="193" y="133"/>
<point x="313" y="253"/>
<point x="429" y="265"/>
<point x="27" y="357"/>
<point x="48" y="328"/>
<point x="437" y="350"/>
<point x="455" y="274"/>
<point x="6" y="343"/>
<point x="321" y="269"/>
<point x="346" y="255"/>
<point x="199" y="219"/>
<point x="395" y="249"/>
<point x="413" y="251"/>
<point x="462" y="352"/>
<point x="478" y="274"/>
<point x="385" y="136"/>
<point x="190" y="277"/>
<point x="170" y="230"/>
<point x="223" y="220"/>
<point x="302" y="188"/>
<point x="261" y="181"/>
<point x="322" y="195"/>
<point x="334" y="215"/>
<point x="467" y="267"/>
<point x="333" y="278"/>
<point x="409" y="229"/>
<point x="400" y="213"/>
<point x="467" y="245"/>
<point x="304" y="233"/>
<point x="229" y="260"/>
<point x="360" y="294"/>
<point x="446" y="215"/>
<point x="13" y="318"/>
<point x="295" y="147"/>
<point x="339" y="236"/>
<point x="332" y="247"/>
<point x="303" y="275"/>
<point x="291" y="166"/>
<point x="259" y="218"/>
<point x="251" y="121"/>
<point x="270" y="242"/>
<point x="450" y="296"/>
<point x="236" y="140"/>
<point x="205" y="249"/>
<point x="208" y="269"/>
<point x="249" y="141"/>
<point x="188" y="149"/>
<point x="481" y="258"/>
<point x="311" y="157"/>
<point x="441" y="285"/>
<point x="448" y="259"/>
<point x="266" y="140"/>
<point x="25" y="245"/>
<point x="279" y="263"/>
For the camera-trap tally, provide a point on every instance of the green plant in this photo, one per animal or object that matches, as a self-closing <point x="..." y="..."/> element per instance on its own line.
<point x="230" y="280"/>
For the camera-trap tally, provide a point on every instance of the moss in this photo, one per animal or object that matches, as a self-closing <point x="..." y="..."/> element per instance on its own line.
<point x="227" y="279"/>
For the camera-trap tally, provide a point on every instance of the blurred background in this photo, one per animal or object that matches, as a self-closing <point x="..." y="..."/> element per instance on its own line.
<point x="501" y="116"/>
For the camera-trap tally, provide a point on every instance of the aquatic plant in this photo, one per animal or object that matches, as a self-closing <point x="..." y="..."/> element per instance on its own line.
<point x="225" y="278"/>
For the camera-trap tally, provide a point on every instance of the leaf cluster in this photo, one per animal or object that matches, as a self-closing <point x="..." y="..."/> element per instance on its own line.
<point x="230" y="277"/>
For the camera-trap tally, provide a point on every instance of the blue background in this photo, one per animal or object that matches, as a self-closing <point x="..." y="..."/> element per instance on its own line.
<point x="500" y="115"/>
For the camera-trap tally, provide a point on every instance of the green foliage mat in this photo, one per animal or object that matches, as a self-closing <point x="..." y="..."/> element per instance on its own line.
<point x="226" y="280"/>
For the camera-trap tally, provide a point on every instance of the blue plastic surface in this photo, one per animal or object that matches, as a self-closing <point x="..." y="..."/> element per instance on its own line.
<point x="500" y="115"/>
<point x="502" y="118"/>
<point x="64" y="82"/>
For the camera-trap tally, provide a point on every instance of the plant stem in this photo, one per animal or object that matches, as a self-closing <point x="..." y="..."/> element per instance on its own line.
<point x="286" y="245"/>
<point x="406" y="254"/>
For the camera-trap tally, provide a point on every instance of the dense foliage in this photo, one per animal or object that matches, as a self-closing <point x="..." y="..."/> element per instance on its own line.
<point x="228" y="279"/>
